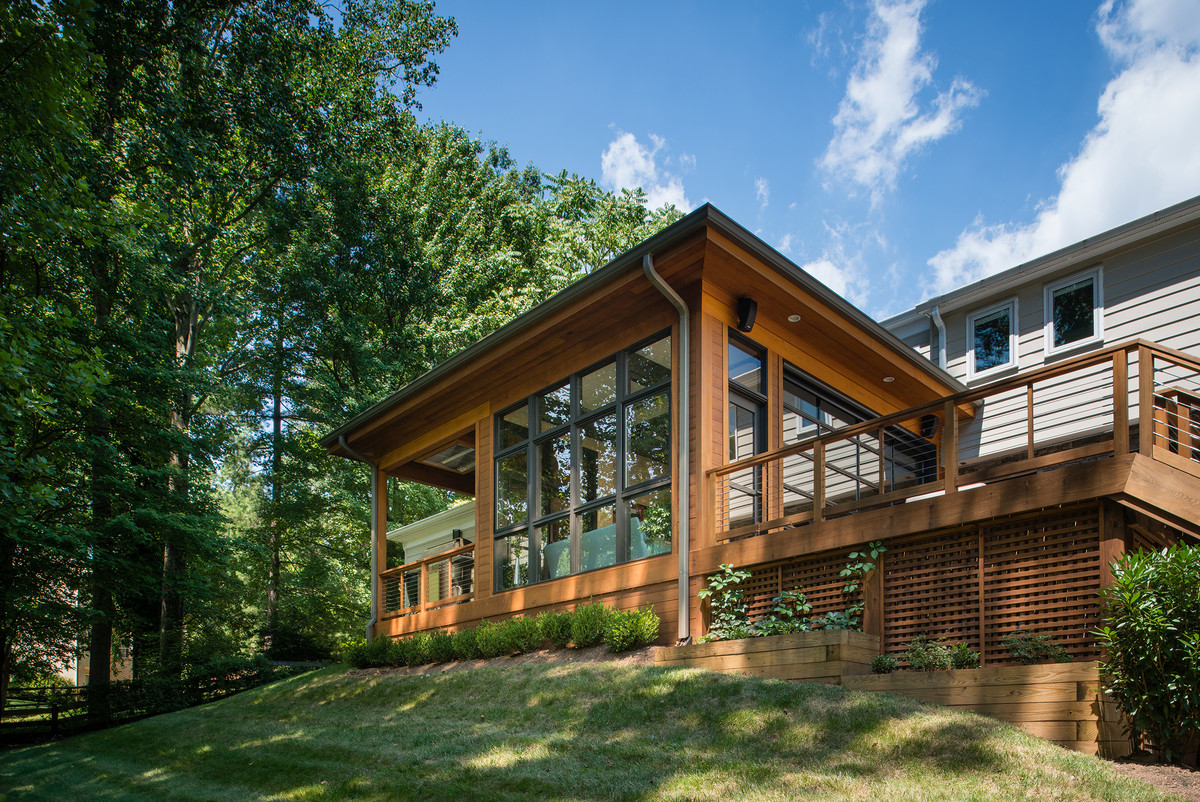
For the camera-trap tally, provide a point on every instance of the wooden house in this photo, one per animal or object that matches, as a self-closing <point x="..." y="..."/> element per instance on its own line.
<point x="701" y="401"/>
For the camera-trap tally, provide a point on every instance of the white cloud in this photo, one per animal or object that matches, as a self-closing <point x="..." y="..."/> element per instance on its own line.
<point x="762" y="191"/>
<point x="880" y="121"/>
<point x="785" y="245"/>
<point x="628" y="164"/>
<point x="842" y="267"/>
<point x="1140" y="156"/>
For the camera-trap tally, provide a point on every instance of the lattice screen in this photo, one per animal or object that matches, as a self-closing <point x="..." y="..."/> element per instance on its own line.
<point x="1042" y="574"/>
<point x="931" y="585"/>
<point x="816" y="575"/>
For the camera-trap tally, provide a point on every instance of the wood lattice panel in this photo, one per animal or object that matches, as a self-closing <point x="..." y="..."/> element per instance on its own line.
<point x="931" y="585"/>
<point x="817" y="576"/>
<point x="1042" y="574"/>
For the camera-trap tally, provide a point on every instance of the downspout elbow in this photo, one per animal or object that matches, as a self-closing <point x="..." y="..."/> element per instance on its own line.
<point x="682" y="480"/>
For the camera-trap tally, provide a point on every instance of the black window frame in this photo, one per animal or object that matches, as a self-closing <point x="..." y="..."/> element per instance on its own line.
<point x="577" y="507"/>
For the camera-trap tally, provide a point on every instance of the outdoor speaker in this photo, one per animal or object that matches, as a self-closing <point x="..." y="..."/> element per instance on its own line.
<point x="747" y="308"/>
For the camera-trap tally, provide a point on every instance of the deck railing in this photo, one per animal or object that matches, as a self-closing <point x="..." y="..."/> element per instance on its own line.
<point x="427" y="584"/>
<point x="1078" y="409"/>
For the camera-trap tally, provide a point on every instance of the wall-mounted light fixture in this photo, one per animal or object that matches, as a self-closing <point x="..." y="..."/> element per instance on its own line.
<point x="747" y="309"/>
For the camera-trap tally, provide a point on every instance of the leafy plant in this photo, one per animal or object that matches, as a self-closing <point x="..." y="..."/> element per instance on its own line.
<point x="927" y="654"/>
<point x="656" y="523"/>
<point x="441" y="646"/>
<point x="858" y="565"/>
<point x="884" y="664"/>
<point x="730" y="617"/>
<point x="588" y="624"/>
<point x="631" y="629"/>
<point x="490" y="639"/>
<point x="1028" y="648"/>
<point x="790" y="612"/>
<point x="465" y="647"/>
<point x="418" y="649"/>
<point x="556" y="627"/>
<point x="523" y="634"/>
<point x="963" y="656"/>
<point x="1151" y="636"/>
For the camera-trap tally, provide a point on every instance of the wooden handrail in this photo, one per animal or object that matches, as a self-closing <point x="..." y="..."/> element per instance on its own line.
<point x="412" y="566"/>
<point x="968" y="397"/>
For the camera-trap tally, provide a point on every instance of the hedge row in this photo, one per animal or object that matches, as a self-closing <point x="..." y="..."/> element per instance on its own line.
<point x="589" y="625"/>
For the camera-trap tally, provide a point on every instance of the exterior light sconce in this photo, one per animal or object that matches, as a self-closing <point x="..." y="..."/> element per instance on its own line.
<point x="747" y="310"/>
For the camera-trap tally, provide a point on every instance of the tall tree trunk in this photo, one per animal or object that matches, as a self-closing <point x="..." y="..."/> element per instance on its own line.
<point x="274" y="522"/>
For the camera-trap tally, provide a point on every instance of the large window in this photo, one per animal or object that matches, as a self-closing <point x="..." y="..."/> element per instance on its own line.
<point x="583" y="470"/>
<point x="747" y="427"/>
<point x="992" y="340"/>
<point x="1073" y="312"/>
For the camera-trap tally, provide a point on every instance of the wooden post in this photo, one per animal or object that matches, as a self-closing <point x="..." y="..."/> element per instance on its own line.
<point x="950" y="446"/>
<point x="818" y="482"/>
<point x="982" y="609"/>
<point x="872" y="622"/>
<point x="1120" y="372"/>
<point x="380" y="535"/>
<point x="1145" y="401"/>
<point x="1112" y="539"/>
<point x="1029" y="419"/>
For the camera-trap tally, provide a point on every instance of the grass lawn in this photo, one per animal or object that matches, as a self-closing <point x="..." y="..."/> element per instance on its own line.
<point x="587" y="731"/>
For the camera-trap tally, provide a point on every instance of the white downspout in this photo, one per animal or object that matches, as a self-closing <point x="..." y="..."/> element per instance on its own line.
<point x="376" y="509"/>
<point x="936" y="315"/>
<point x="682" y="479"/>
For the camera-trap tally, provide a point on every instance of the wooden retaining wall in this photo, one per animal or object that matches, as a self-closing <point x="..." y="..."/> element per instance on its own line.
<point x="1060" y="702"/>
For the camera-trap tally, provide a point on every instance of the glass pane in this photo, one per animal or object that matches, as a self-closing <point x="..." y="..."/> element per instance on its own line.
<point x="554" y="407"/>
<point x="992" y="339"/>
<point x="554" y="457"/>
<point x="742" y="439"/>
<point x="800" y="413"/>
<point x="598" y="458"/>
<point x="556" y="548"/>
<point x="650" y="524"/>
<point x="598" y="538"/>
<point x="412" y="588"/>
<point x="745" y="366"/>
<point x="514" y="427"/>
<point x="1073" y="313"/>
<point x="439" y="581"/>
<point x="650" y="365"/>
<point x="647" y="439"/>
<point x="512" y="561"/>
<point x="598" y="388"/>
<point x="511" y="500"/>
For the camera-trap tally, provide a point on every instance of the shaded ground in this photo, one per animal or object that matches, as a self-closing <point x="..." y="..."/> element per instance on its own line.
<point x="1172" y="779"/>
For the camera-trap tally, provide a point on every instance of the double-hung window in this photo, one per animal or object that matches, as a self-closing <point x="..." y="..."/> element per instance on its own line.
<point x="583" y="470"/>
<point x="1074" y="312"/>
<point x="992" y="340"/>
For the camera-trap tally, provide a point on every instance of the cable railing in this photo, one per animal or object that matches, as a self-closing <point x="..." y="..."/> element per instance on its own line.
<point x="429" y="583"/>
<point x="1079" y="409"/>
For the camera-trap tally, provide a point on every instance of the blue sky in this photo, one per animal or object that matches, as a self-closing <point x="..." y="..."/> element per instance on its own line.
<point x="896" y="150"/>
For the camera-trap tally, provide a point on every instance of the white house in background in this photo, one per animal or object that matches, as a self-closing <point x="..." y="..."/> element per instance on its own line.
<point x="1138" y="281"/>
<point x="451" y="531"/>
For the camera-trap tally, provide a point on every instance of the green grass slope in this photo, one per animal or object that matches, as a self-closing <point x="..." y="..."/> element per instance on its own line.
<point x="589" y="731"/>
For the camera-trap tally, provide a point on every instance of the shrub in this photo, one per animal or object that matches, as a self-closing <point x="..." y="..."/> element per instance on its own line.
<point x="352" y="653"/>
<point x="418" y="649"/>
<point x="926" y="654"/>
<point x="441" y="646"/>
<point x="730" y="617"/>
<point x="790" y="612"/>
<point x="588" y="624"/>
<point x="1151" y="635"/>
<point x="375" y="653"/>
<point x="556" y="627"/>
<point x="963" y="656"/>
<point x="523" y="634"/>
<point x="631" y="629"/>
<point x="884" y="664"/>
<point x="1028" y="648"/>
<point x="465" y="647"/>
<point x="491" y="640"/>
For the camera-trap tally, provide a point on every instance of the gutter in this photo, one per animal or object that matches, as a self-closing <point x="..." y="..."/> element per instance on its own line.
<point x="376" y="509"/>
<point x="683" y="480"/>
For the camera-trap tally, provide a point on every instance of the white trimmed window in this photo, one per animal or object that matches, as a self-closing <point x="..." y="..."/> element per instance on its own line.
<point x="1074" y="312"/>
<point x="992" y="340"/>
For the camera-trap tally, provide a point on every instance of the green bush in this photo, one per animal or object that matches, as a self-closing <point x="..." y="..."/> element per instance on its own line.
<point x="631" y="629"/>
<point x="790" y="612"/>
<point x="556" y="627"/>
<point x="524" y="634"/>
<point x="465" y="647"/>
<point x="418" y="649"/>
<point x="884" y="664"/>
<point x="491" y="639"/>
<point x="963" y="656"/>
<point x="588" y="624"/>
<point x="729" y="617"/>
<point x="1151" y="635"/>
<point x="1028" y="648"/>
<point x="441" y="646"/>
<point x="926" y="654"/>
